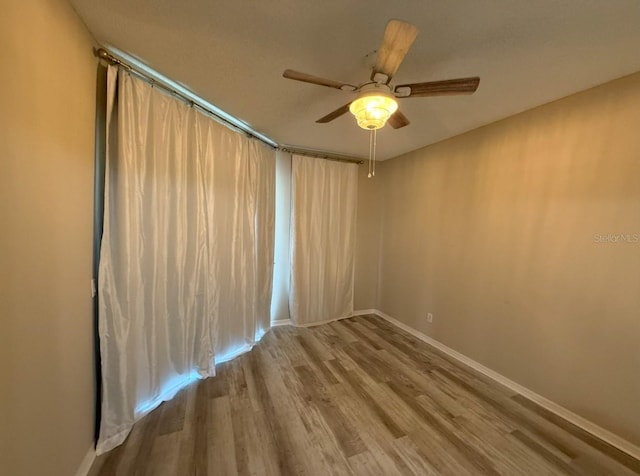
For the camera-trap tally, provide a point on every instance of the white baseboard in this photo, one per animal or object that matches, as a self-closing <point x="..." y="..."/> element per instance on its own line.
<point x="319" y="323"/>
<point x="281" y="322"/>
<point x="596" y="430"/>
<point x="87" y="462"/>
<point x="289" y="322"/>
<point x="364" y="312"/>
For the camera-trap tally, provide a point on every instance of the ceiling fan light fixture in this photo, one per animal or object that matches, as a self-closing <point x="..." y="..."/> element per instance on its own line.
<point x="373" y="108"/>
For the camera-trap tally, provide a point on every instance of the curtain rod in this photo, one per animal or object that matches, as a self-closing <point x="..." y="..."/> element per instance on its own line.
<point x="107" y="56"/>
<point x="192" y="99"/>
<point x="320" y="155"/>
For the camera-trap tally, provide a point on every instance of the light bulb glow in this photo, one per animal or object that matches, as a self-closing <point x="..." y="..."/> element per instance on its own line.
<point x="373" y="109"/>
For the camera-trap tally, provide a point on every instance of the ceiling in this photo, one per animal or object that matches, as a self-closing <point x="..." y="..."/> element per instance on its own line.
<point x="233" y="53"/>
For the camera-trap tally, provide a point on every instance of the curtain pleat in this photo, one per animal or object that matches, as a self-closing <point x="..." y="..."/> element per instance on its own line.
<point x="323" y="219"/>
<point x="187" y="252"/>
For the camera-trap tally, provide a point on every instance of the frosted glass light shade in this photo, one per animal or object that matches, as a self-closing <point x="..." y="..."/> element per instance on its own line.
<point x="373" y="109"/>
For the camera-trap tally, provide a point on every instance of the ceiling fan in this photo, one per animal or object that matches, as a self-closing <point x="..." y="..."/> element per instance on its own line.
<point x="376" y="102"/>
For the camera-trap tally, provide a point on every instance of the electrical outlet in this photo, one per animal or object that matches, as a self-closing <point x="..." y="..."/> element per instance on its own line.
<point x="429" y="317"/>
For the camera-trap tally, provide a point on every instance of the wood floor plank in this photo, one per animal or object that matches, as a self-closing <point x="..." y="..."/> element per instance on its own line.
<point x="587" y="465"/>
<point x="187" y="435"/>
<point x="330" y="337"/>
<point x="163" y="460"/>
<point x="406" y="450"/>
<point x="217" y="386"/>
<point x="316" y="359"/>
<point x="314" y="340"/>
<point x="439" y="454"/>
<point x="366" y="398"/>
<point x="201" y="423"/>
<point x="222" y="450"/>
<point x="501" y="408"/>
<point x="312" y="440"/>
<point x="355" y="397"/>
<point x="348" y="438"/>
<point x="602" y="446"/>
<point x="110" y="463"/>
<point x="432" y="419"/>
<point x="172" y="418"/>
<point x="143" y="454"/>
<point x="281" y="438"/>
<point x="364" y="335"/>
<point x="499" y="447"/>
<point x="342" y="331"/>
<point x="544" y="453"/>
<point x="248" y="458"/>
<point x="322" y="450"/>
<point x="364" y="464"/>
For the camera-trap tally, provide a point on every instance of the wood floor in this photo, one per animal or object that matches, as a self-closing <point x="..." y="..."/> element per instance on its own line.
<point x="354" y="397"/>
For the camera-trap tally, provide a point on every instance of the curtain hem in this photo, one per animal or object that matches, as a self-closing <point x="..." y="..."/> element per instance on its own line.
<point x="116" y="440"/>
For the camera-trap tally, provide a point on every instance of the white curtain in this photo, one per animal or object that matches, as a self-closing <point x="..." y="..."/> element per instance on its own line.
<point x="282" y="263"/>
<point x="323" y="220"/>
<point x="187" y="251"/>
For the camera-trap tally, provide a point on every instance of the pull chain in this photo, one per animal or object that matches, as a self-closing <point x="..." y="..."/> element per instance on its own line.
<point x="373" y="167"/>
<point x="372" y="154"/>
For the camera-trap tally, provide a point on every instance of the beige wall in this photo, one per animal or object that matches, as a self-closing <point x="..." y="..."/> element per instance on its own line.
<point x="368" y="235"/>
<point x="493" y="232"/>
<point x="47" y="98"/>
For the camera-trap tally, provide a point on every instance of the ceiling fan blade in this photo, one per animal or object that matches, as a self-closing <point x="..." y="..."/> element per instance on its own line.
<point x="438" y="88"/>
<point x="398" y="120"/>
<point x="335" y="114"/>
<point x="308" y="78"/>
<point x="398" y="38"/>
